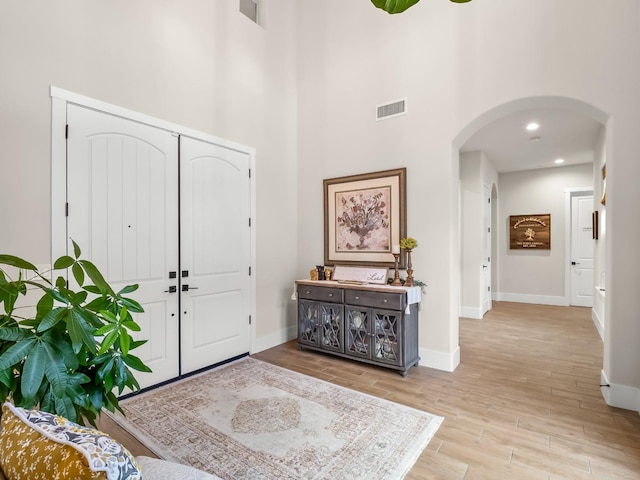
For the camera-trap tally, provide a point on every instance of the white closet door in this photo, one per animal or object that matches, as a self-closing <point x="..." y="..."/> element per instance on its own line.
<point x="215" y="253"/>
<point x="123" y="212"/>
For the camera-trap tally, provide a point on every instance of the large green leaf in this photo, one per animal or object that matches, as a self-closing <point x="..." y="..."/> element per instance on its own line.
<point x="394" y="6"/>
<point x="132" y="305"/>
<point x="78" y="273"/>
<point x="60" y="343"/>
<point x="94" y="274"/>
<point x="63" y="262"/>
<point x="76" y="249"/>
<point x="128" y="289"/>
<point x="80" y="332"/>
<point x="52" y="318"/>
<point x="16" y="262"/>
<point x="55" y="370"/>
<point x="45" y="305"/>
<point x="14" y="334"/>
<point x="33" y="371"/>
<point x="64" y="407"/>
<point x="17" y="352"/>
<point x="135" y="363"/>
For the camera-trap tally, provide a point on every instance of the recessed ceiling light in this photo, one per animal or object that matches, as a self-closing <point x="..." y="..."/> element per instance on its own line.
<point x="559" y="160"/>
<point x="533" y="126"/>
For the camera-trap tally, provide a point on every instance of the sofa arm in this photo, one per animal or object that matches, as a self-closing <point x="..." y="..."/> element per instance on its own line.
<point x="155" y="469"/>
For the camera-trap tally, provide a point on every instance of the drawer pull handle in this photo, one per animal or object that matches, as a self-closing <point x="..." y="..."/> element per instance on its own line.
<point x="385" y="300"/>
<point x="308" y="292"/>
<point x="357" y="298"/>
<point x="331" y="294"/>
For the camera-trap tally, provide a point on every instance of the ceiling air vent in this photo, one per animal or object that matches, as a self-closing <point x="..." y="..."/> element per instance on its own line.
<point x="249" y="8"/>
<point x="391" y="109"/>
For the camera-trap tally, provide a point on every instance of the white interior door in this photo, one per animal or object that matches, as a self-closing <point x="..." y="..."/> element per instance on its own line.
<point x="215" y="253"/>
<point x="486" y="259"/>
<point x="122" y="196"/>
<point x="581" y="251"/>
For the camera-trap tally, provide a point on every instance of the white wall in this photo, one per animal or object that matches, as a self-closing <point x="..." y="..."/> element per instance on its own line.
<point x="199" y="64"/>
<point x="456" y="63"/>
<point x="537" y="276"/>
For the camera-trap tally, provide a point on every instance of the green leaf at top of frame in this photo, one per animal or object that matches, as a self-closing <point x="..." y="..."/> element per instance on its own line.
<point x="394" y="6"/>
<point x="63" y="262"/>
<point x="16" y="262"/>
<point x="460" y="1"/>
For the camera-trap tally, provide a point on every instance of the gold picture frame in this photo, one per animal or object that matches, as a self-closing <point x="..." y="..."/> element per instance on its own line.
<point x="364" y="217"/>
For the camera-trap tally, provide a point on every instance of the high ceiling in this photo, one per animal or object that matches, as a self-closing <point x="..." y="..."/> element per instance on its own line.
<point x="562" y="134"/>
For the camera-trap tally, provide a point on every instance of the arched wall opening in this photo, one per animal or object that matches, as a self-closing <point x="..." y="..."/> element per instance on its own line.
<point x="466" y="197"/>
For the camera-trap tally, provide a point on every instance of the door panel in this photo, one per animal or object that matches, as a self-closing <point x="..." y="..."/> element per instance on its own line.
<point x="581" y="251"/>
<point x="486" y="250"/>
<point x="123" y="212"/>
<point x="215" y="253"/>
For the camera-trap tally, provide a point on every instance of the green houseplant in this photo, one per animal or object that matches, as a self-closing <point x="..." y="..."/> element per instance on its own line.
<point x="69" y="353"/>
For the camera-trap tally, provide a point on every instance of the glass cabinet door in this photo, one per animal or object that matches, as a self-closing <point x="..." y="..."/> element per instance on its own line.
<point x="332" y="332"/>
<point x="357" y="341"/>
<point x="308" y="323"/>
<point x="386" y="337"/>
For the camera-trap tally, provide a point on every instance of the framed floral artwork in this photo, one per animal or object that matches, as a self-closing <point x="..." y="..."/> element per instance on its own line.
<point x="365" y="216"/>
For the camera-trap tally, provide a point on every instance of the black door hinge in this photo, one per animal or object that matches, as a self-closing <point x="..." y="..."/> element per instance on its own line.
<point x="66" y="131"/>
<point x="66" y="209"/>
<point x="249" y="319"/>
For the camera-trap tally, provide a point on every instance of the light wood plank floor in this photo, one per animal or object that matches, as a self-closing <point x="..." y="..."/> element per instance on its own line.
<point x="524" y="403"/>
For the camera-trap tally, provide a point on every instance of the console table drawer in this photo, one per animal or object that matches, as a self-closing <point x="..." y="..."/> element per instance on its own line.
<point x="323" y="294"/>
<point x="390" y="301"/>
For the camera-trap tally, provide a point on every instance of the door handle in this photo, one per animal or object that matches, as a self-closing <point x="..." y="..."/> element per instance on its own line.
<point x="172" y="289"/>
<point x="485" y="266"/>
<point x="575" y="263"/>
<point x="186" y="288"/>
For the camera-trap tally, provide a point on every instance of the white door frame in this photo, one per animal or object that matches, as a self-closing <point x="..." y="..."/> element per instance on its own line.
<point x="569" y="193"/>
<point x="59" y="238"/>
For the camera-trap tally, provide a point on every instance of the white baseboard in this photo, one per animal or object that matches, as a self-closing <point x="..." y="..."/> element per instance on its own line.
<point x="440" y="360"/>
<point x="598" y="323"/>
<point x="471" y="312"/>
<point x="535" y="299"/>
<point x="620" y="396"/>
<point x="274" y="339"/>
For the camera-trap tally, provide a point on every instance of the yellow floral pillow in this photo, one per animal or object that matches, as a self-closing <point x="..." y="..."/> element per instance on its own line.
<point x="37" y="445"/>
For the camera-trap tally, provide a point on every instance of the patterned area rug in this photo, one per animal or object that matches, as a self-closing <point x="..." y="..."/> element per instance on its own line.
<point x="251" y="420"/>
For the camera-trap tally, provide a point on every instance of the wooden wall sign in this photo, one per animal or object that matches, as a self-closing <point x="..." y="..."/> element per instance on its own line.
<point x="530" y="231"/>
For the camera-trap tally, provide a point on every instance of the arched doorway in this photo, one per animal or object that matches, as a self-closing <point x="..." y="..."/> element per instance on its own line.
<point x="476" y="168"/>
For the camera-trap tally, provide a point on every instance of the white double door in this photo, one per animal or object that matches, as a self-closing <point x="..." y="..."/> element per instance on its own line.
<point x="170" y="213"/>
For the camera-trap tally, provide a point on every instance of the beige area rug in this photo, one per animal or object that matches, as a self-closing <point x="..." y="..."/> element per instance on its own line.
<point x="252" y="420"/>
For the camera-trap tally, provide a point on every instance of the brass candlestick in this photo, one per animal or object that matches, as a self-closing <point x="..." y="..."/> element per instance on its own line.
<point x="396" y="276"/>
<point x="409" y="281"/>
